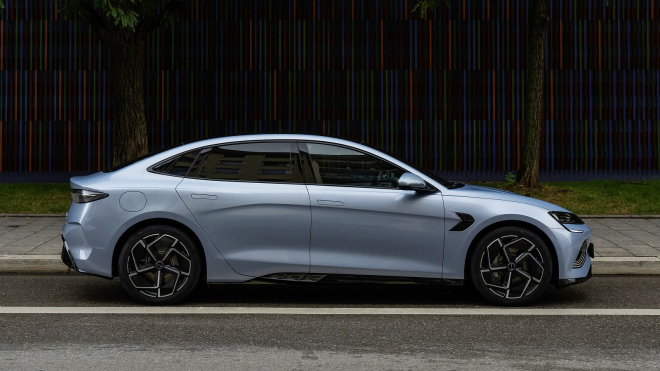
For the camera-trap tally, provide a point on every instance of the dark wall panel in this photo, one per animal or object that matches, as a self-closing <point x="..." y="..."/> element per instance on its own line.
<point x="445" y="92"/>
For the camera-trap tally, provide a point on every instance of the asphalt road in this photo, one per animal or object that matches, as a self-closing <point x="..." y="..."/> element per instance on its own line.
<point x="339" y="342"/>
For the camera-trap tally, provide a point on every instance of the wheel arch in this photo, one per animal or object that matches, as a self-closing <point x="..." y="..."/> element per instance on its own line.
<point x="514" y="223"/>
<point x="157" y="221"/>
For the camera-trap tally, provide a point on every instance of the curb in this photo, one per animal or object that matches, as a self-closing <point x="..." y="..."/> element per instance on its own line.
<point x="626" y="265"/>
<point x="601" y="265"/>
<point x="32" y="264"/>
<point x="619" y="216"/>
<point x="33" y="215"/>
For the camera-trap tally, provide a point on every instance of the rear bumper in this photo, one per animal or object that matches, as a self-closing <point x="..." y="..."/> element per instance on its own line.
<point x="70" y="261"/>
<point x="67" y="259"/>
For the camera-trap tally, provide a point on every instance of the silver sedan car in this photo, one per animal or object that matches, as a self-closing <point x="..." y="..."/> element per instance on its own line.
<point x="312" y="209"/>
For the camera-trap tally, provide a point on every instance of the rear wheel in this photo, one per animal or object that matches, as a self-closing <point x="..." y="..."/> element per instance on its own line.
<point x="511" y="266"/>
<point x="159" y="265"/>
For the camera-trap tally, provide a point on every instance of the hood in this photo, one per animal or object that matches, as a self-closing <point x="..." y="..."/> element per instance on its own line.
<point x="498" y="194"/>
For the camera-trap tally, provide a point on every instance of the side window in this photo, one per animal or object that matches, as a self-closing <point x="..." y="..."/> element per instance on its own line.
<point x="177" y="166"/>
<point x="249" y="162"/>
<point x="346" y="167"/>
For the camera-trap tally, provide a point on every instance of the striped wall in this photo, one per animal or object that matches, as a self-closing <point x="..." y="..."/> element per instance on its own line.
<point x="445" y="92"/>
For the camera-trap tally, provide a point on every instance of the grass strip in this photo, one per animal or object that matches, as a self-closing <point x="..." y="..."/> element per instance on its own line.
<point x="602" y="197"/>
<point x="609" y="197"/>
<point x="34" y="198"/>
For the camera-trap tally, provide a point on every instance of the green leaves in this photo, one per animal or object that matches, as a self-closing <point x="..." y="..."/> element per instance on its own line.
<point x="425" y="5"/>
<point x="126" y="17"/>
<point x="124" y="14"/>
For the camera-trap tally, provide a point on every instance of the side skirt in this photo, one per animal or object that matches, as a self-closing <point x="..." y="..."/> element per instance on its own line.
<point x="340" y="278"/>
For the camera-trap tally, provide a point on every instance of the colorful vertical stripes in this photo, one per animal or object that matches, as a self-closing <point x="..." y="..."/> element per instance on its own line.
<point x="445" y="91"/>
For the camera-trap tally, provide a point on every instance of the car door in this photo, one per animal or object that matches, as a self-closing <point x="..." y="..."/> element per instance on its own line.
<point x="251" y="201"/>
<point x="362" y="224"/>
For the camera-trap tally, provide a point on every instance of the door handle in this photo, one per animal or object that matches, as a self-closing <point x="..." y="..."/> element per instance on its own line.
<point x="205" y="197"/>
<point x="329" y="203"/>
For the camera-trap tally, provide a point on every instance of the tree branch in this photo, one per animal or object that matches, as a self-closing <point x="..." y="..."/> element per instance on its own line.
<point x="150" y="24"/>
<point x="88" y="13"/>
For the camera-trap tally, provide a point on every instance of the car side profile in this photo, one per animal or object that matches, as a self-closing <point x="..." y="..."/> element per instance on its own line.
<point x="304" y="208"/>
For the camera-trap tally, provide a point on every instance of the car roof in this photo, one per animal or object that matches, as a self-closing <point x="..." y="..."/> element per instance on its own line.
<point x="164" y="155"/>
<point x="256" y="137"/>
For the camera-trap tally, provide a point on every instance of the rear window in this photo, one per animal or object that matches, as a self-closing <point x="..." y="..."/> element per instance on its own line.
<point x="178" y="165"/>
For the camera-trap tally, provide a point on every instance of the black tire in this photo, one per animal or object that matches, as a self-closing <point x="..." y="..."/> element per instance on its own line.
<point x="511" y="266"/>
<point x="168" y="265"/>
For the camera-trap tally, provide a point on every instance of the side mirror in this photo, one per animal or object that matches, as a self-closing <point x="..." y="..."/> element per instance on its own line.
<point x="409" y="181"/>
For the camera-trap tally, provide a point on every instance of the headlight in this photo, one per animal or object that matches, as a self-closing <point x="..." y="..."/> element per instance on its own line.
<point x="82" y="196"/>
<point x="566" y="218"/>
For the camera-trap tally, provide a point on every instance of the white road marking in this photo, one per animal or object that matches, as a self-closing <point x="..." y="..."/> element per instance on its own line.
<point x="333" y="311"/>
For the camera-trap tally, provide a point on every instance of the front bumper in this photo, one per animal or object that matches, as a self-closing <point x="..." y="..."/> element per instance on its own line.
<point x="572" y="281"/>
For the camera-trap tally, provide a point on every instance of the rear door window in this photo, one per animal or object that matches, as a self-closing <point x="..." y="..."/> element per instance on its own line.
<point x="270" y="162"/>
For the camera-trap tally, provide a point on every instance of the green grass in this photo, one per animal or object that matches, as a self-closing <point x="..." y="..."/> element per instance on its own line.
<point x="34" y="198"/>
<point x="584" y="198"/>
<point x="604" y="197"/>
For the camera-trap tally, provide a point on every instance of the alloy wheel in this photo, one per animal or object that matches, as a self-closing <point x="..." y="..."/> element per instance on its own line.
<point x="159" y="265"/>
<point x="512" y="267"/>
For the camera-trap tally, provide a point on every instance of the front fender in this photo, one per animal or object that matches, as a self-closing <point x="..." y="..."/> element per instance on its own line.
<point x="487" y="212"/>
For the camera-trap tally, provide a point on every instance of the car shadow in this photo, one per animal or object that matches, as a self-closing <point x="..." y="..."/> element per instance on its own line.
<point x="111" y="293"/>
<point x="357" y="295"/>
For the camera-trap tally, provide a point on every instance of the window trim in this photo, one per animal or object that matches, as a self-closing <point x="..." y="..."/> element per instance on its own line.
<point x="430" y="187"/>
<point x="298" y="143"/>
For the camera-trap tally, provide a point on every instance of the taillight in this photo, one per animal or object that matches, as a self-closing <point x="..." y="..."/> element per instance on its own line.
<point x="82" y="196"/>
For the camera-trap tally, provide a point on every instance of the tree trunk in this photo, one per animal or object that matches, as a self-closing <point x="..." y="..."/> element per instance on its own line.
<point x="528" y="174"/>
<point x="128" y="114"/>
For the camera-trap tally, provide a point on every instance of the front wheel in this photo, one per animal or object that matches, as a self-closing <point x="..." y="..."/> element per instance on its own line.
<point x="159" y="265"/>
<point x="511" y="266"/>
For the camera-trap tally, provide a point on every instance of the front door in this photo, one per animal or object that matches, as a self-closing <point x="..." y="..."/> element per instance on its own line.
<point x="251" y="201"/>
<point x="362" y="224"/>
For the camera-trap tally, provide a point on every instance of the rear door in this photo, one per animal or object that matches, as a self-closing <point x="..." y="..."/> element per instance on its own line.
<point x="251" y="200"/>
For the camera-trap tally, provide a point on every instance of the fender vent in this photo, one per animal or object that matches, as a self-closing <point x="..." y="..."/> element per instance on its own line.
<point x="466" y="221"/>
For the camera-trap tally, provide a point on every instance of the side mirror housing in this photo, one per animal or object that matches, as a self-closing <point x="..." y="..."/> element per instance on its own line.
<point x="409" y="181"/>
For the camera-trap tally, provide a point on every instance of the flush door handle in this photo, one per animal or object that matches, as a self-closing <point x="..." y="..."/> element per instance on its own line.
<point x="203" y="196"/>
<point x="330" y="203"/>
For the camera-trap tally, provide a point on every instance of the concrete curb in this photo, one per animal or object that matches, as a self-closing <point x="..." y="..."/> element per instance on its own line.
<point x="601" y="265"/>
<point x="626" y="265"/>
<point x="619" y="216"/>
<point x="33" y="215"/>
<point x="32" y="264"/>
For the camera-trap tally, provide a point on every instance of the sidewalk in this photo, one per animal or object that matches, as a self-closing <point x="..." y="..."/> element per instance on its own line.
<point x="622" y="245"/>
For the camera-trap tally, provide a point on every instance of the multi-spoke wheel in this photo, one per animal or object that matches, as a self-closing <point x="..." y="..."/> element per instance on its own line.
<point x="511" y="266"/>
<point x="159" y="265"/>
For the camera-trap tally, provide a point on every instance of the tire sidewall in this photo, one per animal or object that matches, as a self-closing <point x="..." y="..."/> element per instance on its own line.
<point x="475" y="261"/>
<point x="194" y="256"/>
